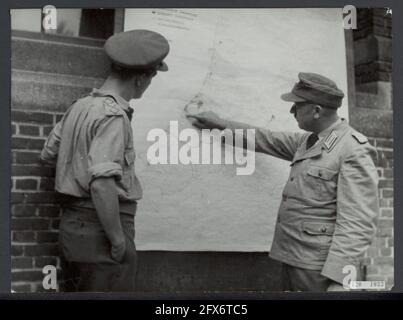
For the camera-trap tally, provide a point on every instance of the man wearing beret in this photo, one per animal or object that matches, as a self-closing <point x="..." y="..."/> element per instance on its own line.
<point x="92" y="147"/>
<point x="330" y="202"/>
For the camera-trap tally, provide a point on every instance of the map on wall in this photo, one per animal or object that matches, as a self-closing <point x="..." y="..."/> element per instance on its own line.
<point x="236" y="62"/>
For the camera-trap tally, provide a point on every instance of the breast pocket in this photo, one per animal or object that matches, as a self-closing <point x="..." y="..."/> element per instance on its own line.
<point x="321" y="183"/>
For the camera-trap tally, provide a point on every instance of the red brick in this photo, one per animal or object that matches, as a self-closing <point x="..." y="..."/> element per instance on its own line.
<point x="47" y="236"/>
<point x="29" y="170"/>
<point x="387" y="193"/>
<point x="41" y="262"/>
<point x="383" y="203"/>
<point x="47" y="130"/>
<point x="382" y="161"/>
<point x="372" y="251"/>
<point x="385" y="223"/>
<point x="37" y="197"/>
<point x="55" y="224"/>
<point x="23" y="210"/>
<point x="23" y="157"/>
<point x="387" y="213"/>
<point x="21" y="263"/>
<point x="26" y="184"/>
<point x="49" y="211"/>
<point x="387" y="269"/>
<point x="29" y="224"/>
<point x="386" y="183"/>
<point x="371" y="269"/>
<point x="23" y="236"/>
<point x="391" y="242"/>
<point x="58" y="117"/>
<point x="31" y="117"/>
<point x="385" y="232"/>
<point x="27" y="143"/>
<point x="380" y="242"/>
<point x="43" y="249"/>
<point x="367" y="261"/>
<point x="32" y="275"/>
<point x="47" y="184"/>
<point x="384" y="143"/>
<point x="388" y="154"/>
<point x="388" y="173"/>
<point x="21" y="288"/>
<point x="386" y="252"/>
<point x="383" y="260"/>
<point x="28" y="130"/>
<point x="375" y="277"/>
<point x="17" y="250"/>
<point x="13" y="129"/>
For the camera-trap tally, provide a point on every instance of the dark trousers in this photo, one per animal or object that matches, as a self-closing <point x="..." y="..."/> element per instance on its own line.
<point x="86" y="261"/>
<point x="298" y="279"/>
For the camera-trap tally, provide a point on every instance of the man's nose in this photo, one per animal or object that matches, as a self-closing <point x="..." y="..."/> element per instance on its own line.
<point x="293" y="109"/>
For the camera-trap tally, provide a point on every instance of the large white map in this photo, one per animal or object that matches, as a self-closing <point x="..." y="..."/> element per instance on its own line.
<point x="236" y="62"/>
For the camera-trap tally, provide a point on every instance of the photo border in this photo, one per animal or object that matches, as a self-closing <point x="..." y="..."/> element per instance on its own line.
<point x="5" y="134"/>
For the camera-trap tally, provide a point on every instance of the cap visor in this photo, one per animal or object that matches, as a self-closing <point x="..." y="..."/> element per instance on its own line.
<point x="162" y="67"/>
<point x="291" y="97"/>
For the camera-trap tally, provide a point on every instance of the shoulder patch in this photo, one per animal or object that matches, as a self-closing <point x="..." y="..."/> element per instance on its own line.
<point x="330" y="140"/>
<point x="359" y="137"/>
<point x="112" y="108"/>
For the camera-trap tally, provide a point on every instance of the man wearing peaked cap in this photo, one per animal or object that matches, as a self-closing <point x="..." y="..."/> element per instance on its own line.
<point x="138" y="50"/>
<point x="92" y="148"/>
<point x="330" y="202"/>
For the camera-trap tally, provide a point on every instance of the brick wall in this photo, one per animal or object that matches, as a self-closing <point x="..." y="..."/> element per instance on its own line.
<point x="372" y="114"/>
<point x="46" y="78"/>
<point x="379" y="258"/>
<point x="34" y="213"/>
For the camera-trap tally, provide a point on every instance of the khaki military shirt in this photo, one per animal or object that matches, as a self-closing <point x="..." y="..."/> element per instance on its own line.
<point x="94" y="139"/>
<point x="330" y="201"/>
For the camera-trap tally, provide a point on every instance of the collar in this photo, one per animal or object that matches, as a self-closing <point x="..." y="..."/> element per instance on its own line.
<point x="331" y="136"/>
<point x="119" y="100"/>
<point x="326" y="132"/>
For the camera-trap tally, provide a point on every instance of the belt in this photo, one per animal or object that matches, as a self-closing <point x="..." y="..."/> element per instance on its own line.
<point x="124" y="207"/>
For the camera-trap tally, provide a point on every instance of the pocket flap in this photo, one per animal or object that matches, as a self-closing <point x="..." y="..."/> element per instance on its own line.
<point x="322" y="173"/>
<point x="318" y="228"/>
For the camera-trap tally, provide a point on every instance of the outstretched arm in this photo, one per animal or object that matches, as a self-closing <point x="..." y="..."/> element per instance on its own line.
<point x="282" y="145"/>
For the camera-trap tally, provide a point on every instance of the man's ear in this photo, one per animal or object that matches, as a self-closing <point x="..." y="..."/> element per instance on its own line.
<point x="317" y="111"/>
<point x="137" y="81"/>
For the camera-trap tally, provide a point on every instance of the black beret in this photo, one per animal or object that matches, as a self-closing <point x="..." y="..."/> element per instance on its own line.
<point x="138" y="49"/>
<point x="315" y="88"/>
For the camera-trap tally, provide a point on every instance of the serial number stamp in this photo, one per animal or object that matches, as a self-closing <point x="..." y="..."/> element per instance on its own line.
<point x="368" y="285"/>
<point x="202" y="309"/>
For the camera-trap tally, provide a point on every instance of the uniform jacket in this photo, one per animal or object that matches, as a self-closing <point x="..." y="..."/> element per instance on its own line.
<point x="330" y="201"/>
<point x="94" y="139"/>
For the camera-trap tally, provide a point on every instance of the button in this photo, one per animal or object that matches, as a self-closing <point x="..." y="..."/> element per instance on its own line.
<point x="323" y="229"/>
<point x="320" y="174"/>
<point x="292" y="179"/>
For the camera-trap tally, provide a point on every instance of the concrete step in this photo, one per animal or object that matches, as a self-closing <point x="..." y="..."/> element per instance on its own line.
<point x="42" y="91"/>
<point x="58" y="54"/>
